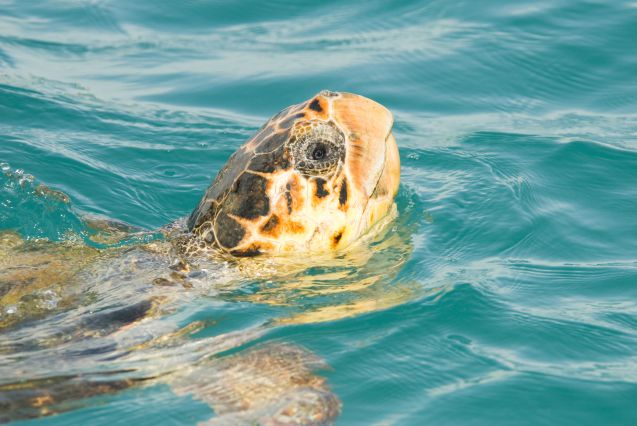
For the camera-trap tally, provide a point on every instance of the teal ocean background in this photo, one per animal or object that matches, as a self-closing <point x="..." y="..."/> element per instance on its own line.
<point x="517" y="128"/>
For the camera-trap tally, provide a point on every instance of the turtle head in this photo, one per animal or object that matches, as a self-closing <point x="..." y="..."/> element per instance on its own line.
<point x="315" y="177"/>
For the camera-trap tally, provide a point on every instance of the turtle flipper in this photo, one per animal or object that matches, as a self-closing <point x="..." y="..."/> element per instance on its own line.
<point x="53" y="395"/>
<point x="308" y="407"/>
<point x="270" y="385"/>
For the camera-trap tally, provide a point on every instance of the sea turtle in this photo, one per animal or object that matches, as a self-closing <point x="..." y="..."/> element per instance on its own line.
<point x="315" y="179"/>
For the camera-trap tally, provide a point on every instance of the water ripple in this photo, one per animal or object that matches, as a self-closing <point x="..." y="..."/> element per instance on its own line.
<point x="504" y="290"/>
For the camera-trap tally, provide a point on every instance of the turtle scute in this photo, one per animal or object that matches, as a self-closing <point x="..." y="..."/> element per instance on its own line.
<point x="263" y="154"/>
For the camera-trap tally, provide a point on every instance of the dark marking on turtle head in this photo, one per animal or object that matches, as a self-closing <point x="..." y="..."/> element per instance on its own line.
<point x="336" y="238"/>
<point x="276" y="226"/>
<point x="288" y="197"/>
<point x="271" y="161"/>
<point x="320" y="187"/>
<point x="315" y="105"/>
<point x="295" y="193"/>
<point x="249" y="252"/>
<point x="255" y="249"/>
<point x="271" y="225"/>
<point x="342" y="195"/>
<point x="229" y="232"/>
<point x="248" y="198"/>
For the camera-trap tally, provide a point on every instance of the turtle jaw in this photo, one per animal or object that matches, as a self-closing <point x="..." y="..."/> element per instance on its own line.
<point x="372" y="164"/>
<point x="367" y="125"/>
<point x="382" y="199"/>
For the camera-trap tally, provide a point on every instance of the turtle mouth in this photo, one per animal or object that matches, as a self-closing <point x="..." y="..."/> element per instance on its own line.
<point x="364" y="212"/>
<point x="386" y="148"/>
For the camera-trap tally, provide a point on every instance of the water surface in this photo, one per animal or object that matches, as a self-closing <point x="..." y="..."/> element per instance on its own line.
<point x="510" y="296"/>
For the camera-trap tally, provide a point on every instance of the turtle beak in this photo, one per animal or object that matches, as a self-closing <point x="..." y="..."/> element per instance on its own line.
<point x="367" y="125"/>
<point x="389" y="180"/>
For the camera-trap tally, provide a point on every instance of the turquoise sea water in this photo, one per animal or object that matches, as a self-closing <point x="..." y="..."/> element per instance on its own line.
<point x="517" y="127"/>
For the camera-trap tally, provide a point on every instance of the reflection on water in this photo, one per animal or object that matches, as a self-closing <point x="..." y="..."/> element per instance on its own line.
<point x="360" y="279"/>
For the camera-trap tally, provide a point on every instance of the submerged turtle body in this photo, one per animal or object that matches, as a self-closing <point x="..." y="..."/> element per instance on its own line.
<point x="314" y="179"/>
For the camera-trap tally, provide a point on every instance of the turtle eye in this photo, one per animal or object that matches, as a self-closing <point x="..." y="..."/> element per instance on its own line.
<point x="317" y="147"/>
<point x="318" y="151"/>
